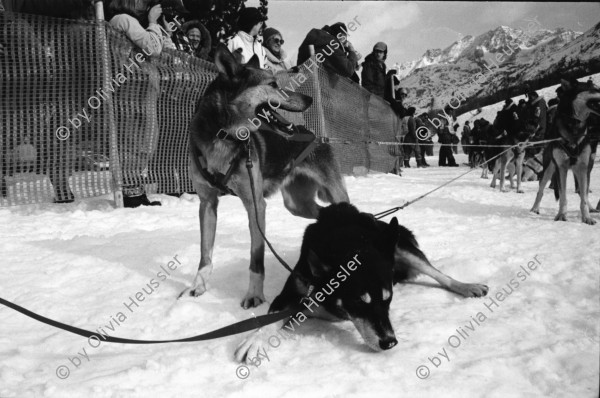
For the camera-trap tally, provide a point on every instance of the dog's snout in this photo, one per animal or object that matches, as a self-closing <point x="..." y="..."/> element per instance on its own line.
<point x="388" y="343"/>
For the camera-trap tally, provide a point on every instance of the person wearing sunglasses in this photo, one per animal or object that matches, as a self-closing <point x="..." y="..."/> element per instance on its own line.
<point x="272" y="42"/>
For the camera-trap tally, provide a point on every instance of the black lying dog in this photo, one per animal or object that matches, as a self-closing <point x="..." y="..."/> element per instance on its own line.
<point x="348" y="264"/>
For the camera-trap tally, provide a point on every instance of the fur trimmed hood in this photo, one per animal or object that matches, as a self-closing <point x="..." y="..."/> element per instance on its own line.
<point x="205" y="42"/>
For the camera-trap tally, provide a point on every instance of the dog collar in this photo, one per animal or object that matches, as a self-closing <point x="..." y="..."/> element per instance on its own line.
<point x="225" y="136"/>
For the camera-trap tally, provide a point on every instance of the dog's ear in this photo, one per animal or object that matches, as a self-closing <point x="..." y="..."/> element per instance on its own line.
<point x="226" y="62"/>
<point x="566" y="85"/>
<point x="393" y="227"/>
<point x="254" y="62"/>
<point x="317" y="268"/>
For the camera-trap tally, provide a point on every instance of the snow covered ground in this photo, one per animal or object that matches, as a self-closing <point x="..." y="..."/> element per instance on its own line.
<point x="80" y="263"/>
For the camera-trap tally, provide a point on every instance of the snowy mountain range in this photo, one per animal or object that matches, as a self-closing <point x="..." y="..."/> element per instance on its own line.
<point x="508" y="58"/>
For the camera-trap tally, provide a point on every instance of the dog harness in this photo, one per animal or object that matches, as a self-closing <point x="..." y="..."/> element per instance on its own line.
<point x="219" y="180"/>
<point x="572" y="149"/>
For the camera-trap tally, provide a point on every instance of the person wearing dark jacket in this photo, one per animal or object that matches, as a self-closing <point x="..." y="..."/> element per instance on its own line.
<point x="537" y="110"/>
<point x="331" y="42"/>
<point x="411" y="140"/>
<point x="394" y="94"/>
<point x="464" y="138"/>
<point x="445" y="139"/>
<point x="373" y="72"/>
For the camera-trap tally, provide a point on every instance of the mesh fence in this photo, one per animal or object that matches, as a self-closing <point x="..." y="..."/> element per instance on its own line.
<point x="82" y="111"/>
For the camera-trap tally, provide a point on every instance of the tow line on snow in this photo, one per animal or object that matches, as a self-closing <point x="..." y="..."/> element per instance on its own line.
<point x="410" y="202"/>
<point x="248" y="324"/>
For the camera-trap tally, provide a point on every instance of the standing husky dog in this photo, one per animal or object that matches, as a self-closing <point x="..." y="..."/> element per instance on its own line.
<point x="573" y="151"/>
<point x="219" y="134"/>
<point x="348" y="264"/>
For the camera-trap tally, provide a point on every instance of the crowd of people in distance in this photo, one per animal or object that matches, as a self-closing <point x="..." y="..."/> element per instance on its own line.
<point x="253" y="38"/>
<point x="146" y="25"/>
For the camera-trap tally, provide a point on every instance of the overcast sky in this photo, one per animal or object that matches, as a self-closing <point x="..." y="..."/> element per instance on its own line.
<point x="410" y="28"/>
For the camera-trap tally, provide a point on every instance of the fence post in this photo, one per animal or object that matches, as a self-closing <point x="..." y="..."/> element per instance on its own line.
<point x="322" y="131"/>
<point x="115" y="166"/>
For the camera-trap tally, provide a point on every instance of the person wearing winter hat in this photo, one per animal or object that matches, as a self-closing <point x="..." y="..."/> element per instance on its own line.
<point x="275" y="54"/>
<point x="373" y="73"/>
<point x="246" y="42"/>
<point x="332" y="42"/>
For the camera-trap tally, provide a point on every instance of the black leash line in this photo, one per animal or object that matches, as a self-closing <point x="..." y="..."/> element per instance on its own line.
<point x="236" y="328"/>
<point x="249" y="168"/>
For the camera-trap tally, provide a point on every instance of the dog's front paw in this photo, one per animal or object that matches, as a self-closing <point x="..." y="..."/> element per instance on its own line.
<point x="535" y="210"/>
<point x="252" y="300"/>
<point x="520" y="191"/>
<point x="471" y="289"/>
<point x="560" y="217"/>
<point x="504" y="190"/>
<point x="588" y="220"/>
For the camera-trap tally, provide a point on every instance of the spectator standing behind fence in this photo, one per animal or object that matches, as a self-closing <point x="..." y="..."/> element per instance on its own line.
<point x="395" y="96"/>
<point x="25" y="155"/>
<point x="422" y="137"/>
<point x="407" y="129"/>
<point x="373" y="72"/>
<point x="275" y="54"/>
<point x="411" y="141"/>
<point x="455" y="139"/>
<point x="332" y="42"/>
<point x="465" y="136"/>
<point x="151" y="41"/>
<point x="446" y="158"/>
<point x="246" y="42"/>
<point x="195" y="40"/>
